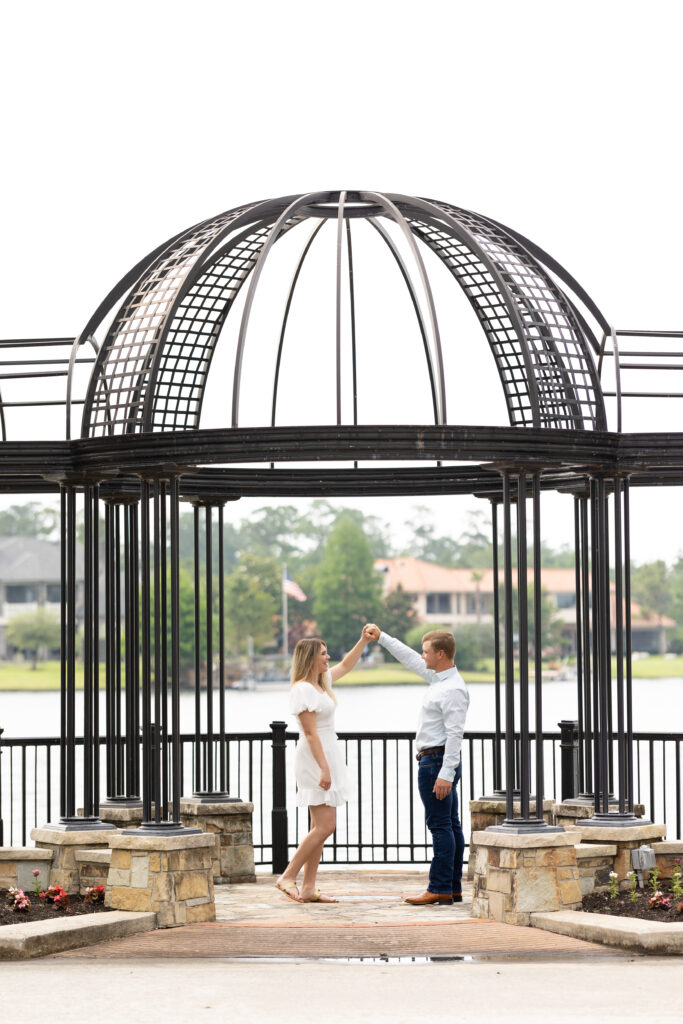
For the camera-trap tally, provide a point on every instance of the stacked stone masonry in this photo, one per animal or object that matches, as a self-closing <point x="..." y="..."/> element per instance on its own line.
<point x="171" y="876"/>
<point x="93" y="868"/>
<point x="667" y="853"/>
<point x="489" y="811"/>
<point x="517" y="875"/>
<point x="65" y="846"/>
<point x="626" y="840"/>
<point x="17" y="864"/>
<point x="594" y="862"/>
<point x="571" y="812"/>
<point x="231" y="826"/>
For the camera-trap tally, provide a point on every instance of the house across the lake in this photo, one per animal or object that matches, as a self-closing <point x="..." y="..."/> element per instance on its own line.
<point x="458" y="597"/>
<point x="30" y="573"/>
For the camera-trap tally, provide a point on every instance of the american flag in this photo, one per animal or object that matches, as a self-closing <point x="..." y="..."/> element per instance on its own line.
<point x="291" y="588"/>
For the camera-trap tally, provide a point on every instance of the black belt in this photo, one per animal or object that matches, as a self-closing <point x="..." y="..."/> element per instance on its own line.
<point x="429" y="750"/>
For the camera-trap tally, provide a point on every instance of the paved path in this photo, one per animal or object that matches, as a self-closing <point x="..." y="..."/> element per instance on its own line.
<point x="370" y="920"/>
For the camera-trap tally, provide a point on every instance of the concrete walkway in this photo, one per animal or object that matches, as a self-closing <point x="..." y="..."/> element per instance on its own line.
<point x="268" y="958"/>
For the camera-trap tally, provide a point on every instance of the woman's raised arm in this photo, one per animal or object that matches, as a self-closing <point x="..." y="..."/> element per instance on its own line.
<point x="349" y="660"/>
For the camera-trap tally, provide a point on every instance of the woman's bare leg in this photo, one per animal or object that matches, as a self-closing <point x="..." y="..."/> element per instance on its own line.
<point x="309" y="849"/>
<point x="323" y="819"/>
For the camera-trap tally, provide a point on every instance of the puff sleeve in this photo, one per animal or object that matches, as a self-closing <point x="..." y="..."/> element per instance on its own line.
<point x="303" y="697"/>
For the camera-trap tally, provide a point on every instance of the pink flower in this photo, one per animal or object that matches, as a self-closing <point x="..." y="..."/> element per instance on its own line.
<point x="35" y="872"/>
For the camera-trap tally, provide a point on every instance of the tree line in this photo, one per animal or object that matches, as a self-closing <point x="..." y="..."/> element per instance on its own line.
<point x="330" y="551"/>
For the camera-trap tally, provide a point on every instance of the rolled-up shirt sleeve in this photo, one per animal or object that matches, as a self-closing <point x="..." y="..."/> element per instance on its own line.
<point x="454" y="709"/>
<point x="406" y="655"/>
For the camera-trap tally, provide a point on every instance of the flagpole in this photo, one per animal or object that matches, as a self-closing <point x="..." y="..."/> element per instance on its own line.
<point x="285" y="627"/>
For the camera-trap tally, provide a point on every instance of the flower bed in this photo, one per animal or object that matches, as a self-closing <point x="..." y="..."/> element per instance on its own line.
<point x="658" y="901"/>
<point x="19" y="907"/>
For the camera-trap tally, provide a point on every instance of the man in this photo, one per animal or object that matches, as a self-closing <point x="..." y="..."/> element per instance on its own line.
<point x="438" y="740"/>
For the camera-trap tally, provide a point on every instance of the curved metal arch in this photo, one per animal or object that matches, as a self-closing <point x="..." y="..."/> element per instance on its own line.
<point x="127" y="282"/>
<point x="416" y="306"/>
<point x="352" y="309"/>
<point x="460" y="232"/>
<point x="540" y="256"/>
<point x="337" y="318"/>
<point x="285" y="317"/>
<point x="395" y="213"/>
<point x="69" y="380"/>
<point x="293" y="208"/>
<point x="555" y="369"/>
<point x="156" y="271"/>
<point x="212" y="294"/>
<point x="544" y="257"/>
<point x="542" y="318"/>
<point x="231" y="224"/>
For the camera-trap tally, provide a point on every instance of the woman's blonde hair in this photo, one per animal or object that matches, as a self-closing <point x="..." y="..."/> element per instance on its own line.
<point x="303" y="660"/>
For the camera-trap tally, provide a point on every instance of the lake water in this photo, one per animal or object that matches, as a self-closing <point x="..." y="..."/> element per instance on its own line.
<point x="657" y="707"/>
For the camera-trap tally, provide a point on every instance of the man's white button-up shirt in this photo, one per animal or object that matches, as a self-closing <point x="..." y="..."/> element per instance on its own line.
<point x="442" y="716"/>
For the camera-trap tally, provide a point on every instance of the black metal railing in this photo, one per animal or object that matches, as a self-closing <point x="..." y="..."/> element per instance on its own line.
<point x="383" y="823"/>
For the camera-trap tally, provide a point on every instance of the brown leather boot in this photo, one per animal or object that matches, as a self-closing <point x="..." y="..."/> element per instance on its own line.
<point x="428" y="898"/>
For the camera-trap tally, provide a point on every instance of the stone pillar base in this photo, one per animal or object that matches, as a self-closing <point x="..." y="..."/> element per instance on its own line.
<point x="595" y="862"/>
<point x="489" y="811"/>
<point x="122" y="815"/>
<point x="17" y="864"/>
<point x="517" y="875"/>
<point x="64" y="845"/>
<point x="569" y="812"/>
<point x="93" y="868"/>
<point x="667" y="853"/>
<point x="170" y="875"/>
<point x="230" y="824"/>
<point x="625" y="838"/>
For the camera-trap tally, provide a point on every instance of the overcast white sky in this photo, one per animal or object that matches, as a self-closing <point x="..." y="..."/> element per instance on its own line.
<point x="124" y="123"/>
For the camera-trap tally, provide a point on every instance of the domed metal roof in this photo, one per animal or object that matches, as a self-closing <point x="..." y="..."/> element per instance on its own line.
<point x="166" y="315"/>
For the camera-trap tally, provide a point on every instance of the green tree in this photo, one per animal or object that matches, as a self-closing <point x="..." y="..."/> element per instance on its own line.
<point x="398" y="614"/>
<point x="252" y="600"/>
<point x="651" y="588"/>
<point x="414" y="636"/>
<point x="29" y="520"/>
<point x="186" y="615"/>
<point x="473" y="645"/>
<point x="33" y="630"/>
<point x="347" y="588"/>
<point x="551" y="623"/>
<point x="475" y="545"/>
<point x="425" y="543"/>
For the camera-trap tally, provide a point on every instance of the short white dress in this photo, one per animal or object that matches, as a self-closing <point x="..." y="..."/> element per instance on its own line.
<point x="305" y="697"/>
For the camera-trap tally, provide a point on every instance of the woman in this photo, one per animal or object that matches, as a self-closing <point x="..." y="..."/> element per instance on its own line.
<point x="319" y="765"/>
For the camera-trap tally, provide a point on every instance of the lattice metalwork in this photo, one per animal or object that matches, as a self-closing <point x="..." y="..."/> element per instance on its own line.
<point x="551" y="358"/>
<point x="184" y="362"/>
<point x="118" y="390"/>
<point x="152" y="371"/>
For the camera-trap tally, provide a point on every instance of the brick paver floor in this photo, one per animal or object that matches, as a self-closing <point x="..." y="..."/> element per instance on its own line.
<point x="370" y="920"/>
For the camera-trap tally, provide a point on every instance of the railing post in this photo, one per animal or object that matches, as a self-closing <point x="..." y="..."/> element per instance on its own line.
<point x="279" y="813"/>
<point x="569" y="766"/>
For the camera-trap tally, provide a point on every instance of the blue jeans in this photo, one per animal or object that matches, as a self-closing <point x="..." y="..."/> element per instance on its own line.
<point x="445" y="873"/>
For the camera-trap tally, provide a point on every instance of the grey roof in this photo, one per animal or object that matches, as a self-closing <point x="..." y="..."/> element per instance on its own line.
<point x="29" y="560"/>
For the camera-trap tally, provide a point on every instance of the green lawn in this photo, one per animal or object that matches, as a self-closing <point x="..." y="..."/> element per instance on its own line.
<point x="20" y="675"/>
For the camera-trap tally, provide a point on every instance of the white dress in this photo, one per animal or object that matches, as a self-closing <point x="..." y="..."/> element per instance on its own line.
<point x="305" y="697"/>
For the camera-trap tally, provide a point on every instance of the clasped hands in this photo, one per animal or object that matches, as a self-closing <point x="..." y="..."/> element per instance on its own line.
<point x="371" y="632"/>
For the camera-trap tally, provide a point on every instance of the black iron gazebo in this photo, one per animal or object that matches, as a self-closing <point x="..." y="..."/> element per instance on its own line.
<point x="151" y="346"/>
